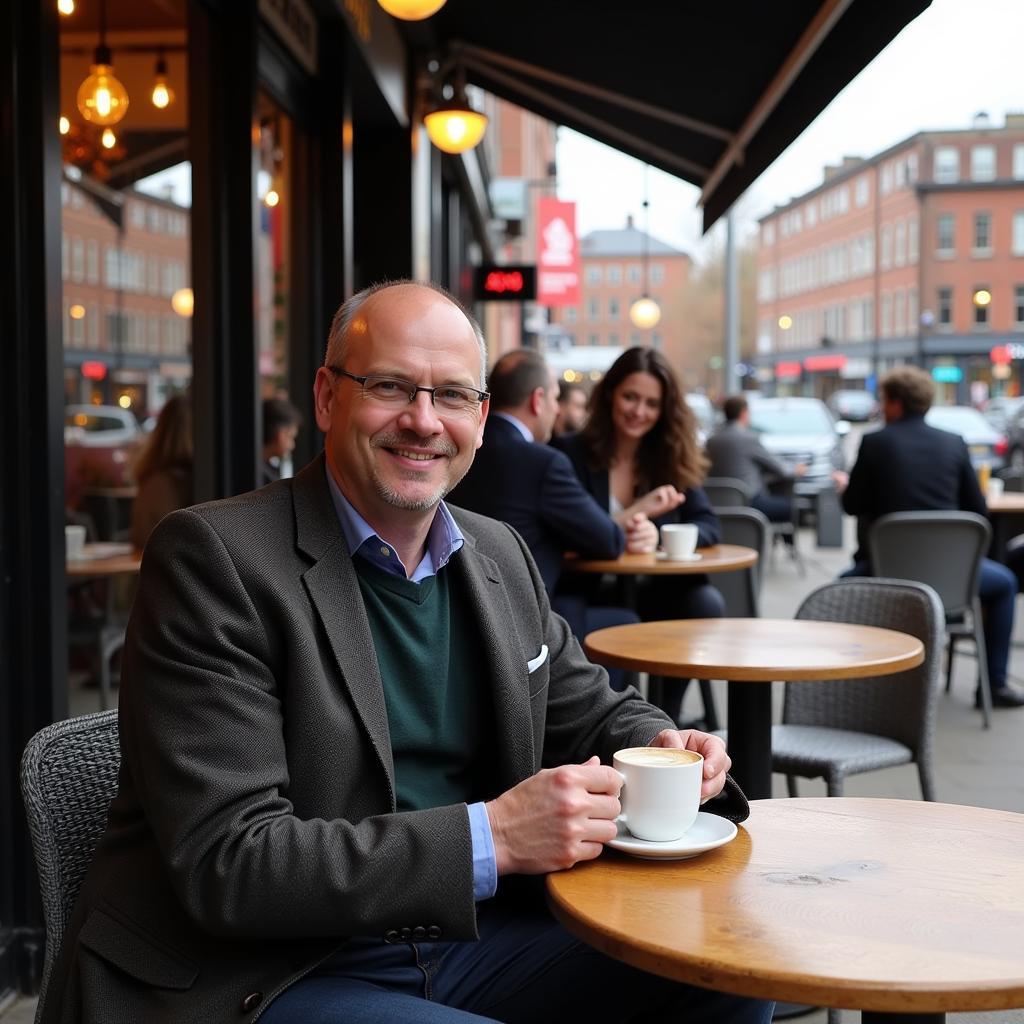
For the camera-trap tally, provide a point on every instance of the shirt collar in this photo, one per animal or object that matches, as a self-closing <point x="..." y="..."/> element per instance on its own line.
<point x="518" y="424"/>
<point x="443" y="539"/>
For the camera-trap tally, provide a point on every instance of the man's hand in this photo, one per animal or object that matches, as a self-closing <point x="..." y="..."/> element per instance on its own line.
<point x="555" y="818"/>
<point x="716" y="761"/>
<point x="840" y="479"/>
<point x="641" y="534"/>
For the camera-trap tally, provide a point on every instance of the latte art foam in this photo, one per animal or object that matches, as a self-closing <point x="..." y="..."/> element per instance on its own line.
<point x="660" y="756"/>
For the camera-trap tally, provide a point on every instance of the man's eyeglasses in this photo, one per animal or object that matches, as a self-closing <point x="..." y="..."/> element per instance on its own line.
<point x="394" y="391"/>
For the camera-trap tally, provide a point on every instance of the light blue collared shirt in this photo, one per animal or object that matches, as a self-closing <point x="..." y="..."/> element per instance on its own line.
<point x="443" y="540"/>
<point x="518" y="424"/>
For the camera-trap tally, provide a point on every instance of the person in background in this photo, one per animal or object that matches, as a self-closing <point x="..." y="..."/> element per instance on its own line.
<point x="908" y="466"/>
<point x="163" y="469"/>
<point x="572" y="408"/>
<point x="639" y="453"/>
<point x="519" y="478"/>
<point x="736" y="451"/>
<point x="281" y="422"/>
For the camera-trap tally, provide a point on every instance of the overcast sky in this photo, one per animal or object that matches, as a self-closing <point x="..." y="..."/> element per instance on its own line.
<point x="958" y="58"/>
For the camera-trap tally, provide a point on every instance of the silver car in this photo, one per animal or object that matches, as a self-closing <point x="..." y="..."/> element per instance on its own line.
<point x="984" y="442"/>
<point x="801" y="430"/>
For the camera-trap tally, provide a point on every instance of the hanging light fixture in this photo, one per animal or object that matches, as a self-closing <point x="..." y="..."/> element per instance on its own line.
<point x="101" y="98"/>
<point x="645" y="312"/>
<point x="108" y="138"/>
<point x="162" y="95"/>
<point x="411" y="10"/>
<point x="454" y="126"/>
<point x="183" y="302"/>
<point x="64" y="125"/>
<point x="66" y="7"/>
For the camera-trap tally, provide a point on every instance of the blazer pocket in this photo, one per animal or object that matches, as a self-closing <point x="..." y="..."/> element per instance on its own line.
<point x="134" y="952"/>
<point x="539" y="672"/>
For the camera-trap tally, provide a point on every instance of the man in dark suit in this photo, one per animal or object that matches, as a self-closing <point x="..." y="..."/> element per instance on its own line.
<point x="347" y="715"/>
<point x="908" y="466"/>
<point x="520" y="479"/>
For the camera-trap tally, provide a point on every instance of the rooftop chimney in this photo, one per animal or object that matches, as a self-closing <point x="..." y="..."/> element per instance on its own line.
<point x="629" y="222"/>
<point x="1015" y="119"/>
<point x="831" y="170"/>
<point x="981" y="120"/>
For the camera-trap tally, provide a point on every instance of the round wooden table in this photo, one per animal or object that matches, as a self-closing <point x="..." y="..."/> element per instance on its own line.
<point x="717" y="558"/>
<point x="121" y="562"/>
<point x="904" y="909"/>
<point x="749" y="653"/>
<point x="1007" y="515"/>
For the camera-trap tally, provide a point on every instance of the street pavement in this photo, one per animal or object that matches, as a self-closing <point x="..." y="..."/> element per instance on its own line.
<point x="972" y="765"/>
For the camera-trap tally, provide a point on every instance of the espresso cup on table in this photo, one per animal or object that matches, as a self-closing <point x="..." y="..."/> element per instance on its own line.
<point x="679" y="540"/>
<point x="660" y="793"/>
<point x="995" y="487"/>
<point x="74" y="543"/>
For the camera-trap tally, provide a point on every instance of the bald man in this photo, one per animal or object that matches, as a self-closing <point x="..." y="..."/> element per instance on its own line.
<point x="348" y="722"/>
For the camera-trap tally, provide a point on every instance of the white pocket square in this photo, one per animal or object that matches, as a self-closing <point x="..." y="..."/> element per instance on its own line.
<point x="535" y="663"/>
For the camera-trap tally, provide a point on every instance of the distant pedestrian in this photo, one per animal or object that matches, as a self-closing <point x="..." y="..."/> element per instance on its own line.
<point x="572" y="408"/>
<point x="281" y="422"/>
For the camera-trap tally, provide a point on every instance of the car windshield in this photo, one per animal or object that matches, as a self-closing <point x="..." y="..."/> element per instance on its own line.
<point x="702" y="409"/>
<point x="809" y="418"/>
<point x="92" y="423"/>
<point x="958" y="419"/>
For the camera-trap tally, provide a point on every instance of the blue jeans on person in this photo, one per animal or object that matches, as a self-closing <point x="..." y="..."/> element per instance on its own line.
<point x="525" y="969"/>
<point x="997" y="591"/>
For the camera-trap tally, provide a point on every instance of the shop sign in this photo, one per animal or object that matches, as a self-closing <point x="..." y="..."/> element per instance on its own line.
<point x="505" y="283"/>
<point x="93" y="369"/>
<point x="822" y="364"/>
<point x="856" y="369"/>
<point x="1006" y="353"/>
<point x="508" y="198"/>
<point x="947" y="374"/>
<point x="295" y="25"/>
<point x="558" y="256"/>
<point x="787" y="371"/>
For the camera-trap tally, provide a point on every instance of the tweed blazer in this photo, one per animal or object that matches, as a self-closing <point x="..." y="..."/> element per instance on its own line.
<point x="255" y="827"/>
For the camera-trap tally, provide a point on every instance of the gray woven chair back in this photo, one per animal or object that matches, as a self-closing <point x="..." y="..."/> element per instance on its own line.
<point x="942" y="549"/>
<point x="900" y="706"/>
<point x="741" y="589"/>
<point x="68" y="778"/>
<point x="726" y="492"/>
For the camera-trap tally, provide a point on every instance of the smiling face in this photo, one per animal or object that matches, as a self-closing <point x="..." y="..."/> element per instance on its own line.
<point x="636" y="406"/>
<point x="395" y="462"/>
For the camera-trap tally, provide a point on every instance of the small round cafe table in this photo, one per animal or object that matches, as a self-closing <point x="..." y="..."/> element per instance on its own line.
<point x="903" y="909"/>
<point x="716" y="558"/>
<point x="750" y="653"/>
<point x="1007" y="515"/>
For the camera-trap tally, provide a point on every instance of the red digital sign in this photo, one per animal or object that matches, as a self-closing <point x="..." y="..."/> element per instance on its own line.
<point x="492" y="283"/>
<point x="94" y="370"/>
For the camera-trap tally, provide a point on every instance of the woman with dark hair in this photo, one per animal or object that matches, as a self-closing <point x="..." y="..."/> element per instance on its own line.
<point x="163" y="470"/>
<point x="638" y="455"/>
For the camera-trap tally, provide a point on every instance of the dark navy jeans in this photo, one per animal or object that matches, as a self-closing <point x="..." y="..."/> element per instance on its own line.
<point x="525" y="969"/>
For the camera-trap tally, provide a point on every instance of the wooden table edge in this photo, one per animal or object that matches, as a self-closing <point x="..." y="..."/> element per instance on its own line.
<point x="624" y="567"/>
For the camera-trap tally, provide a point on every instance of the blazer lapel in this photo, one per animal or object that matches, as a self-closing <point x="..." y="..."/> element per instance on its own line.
<point x="334" y="590"/>
<point x="505" y="660"/>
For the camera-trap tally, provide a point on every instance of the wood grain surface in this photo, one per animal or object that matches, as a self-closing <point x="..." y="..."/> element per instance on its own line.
<point x="755" y="650"/>
<point x="717" y="558"/>
<point x="885" y="905"/>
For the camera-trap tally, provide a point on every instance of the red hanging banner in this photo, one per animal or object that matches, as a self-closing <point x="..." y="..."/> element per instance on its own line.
<point x="558" y="254"/>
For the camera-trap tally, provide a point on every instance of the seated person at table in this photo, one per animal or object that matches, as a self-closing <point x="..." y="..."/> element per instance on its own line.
<point x="908" y="466"/>
<point x="348" y="719"/>
<point x="163" y="470"/>
<point x="736" y="451"/>
<point x="572" y="408"/>
<point x="639" y="453"/>
<point x="519" y="478"/>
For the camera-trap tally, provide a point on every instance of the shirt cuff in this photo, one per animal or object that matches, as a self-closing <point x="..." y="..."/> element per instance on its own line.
<point x="485" y="867"/>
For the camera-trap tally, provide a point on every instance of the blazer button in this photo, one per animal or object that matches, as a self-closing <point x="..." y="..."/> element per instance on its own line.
<point x="391" y="935"/>
<point x="434" y="932"/>
<point x="406" y="934"/>
<point x="251" y="1001"/>
<point x="419" y="933"/>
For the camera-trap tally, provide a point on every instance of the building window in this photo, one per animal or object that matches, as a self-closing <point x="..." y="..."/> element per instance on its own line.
<point x="112" y="267"/>
<point x="812" y="215"/>
<point x="983" y="163"/>
<point x="945" y="306"/>
<point x="1018" y="163"/>
<point x="769" y="231"/>
<point x="980" y="312"/>
<point x="613" y="309"/>
<point x="946" y="243"/>
<point x="886" y="325"/>
<point x="655" y="340"/>
<point x="571" y="314"/>
<point x="982" y="233"/>
<point x="92" y="324"/>
<point x="861" y="191"/>
<point x="592" y="274"/>
<point x="657" y="273"/>
<point x="593" y="340"/>
<point x="633" y="273"/>
<point x="912" y="168"/>
<point x="1018" y="233"/>
<point x="613" y="338"/>
<point x="613" y="273"/>
<point x="911" y="310"/>
<point x="912" y="240"/>
<point x="92" y="261"/>
<point x="886" y="186"/>
<point x="65" y="257"/>
<point x="1018" y="305"/>
<point x="137" y="214"/>
<point x="77" y="259"/>
<point x="635" y="339"/>
<point x="947" y="165"/>
<point x="886" y="260"/>
<point x="899" y="313"/>
<point x="593" y="309"/>
<point x="900" y="249"/>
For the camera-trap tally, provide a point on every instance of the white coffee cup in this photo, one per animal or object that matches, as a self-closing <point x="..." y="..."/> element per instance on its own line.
<point x="679" y="540"/>
<point x="660" y="794"/>
<point x="995" y="488"/>
<point x="74" y="543"/>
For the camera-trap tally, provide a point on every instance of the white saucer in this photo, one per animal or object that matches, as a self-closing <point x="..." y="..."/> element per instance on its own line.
<point x="708" y="831"/>
<point x="663" y="557"/>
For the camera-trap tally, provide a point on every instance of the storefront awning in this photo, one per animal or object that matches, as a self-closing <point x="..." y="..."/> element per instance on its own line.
<point x="710" y="92"/>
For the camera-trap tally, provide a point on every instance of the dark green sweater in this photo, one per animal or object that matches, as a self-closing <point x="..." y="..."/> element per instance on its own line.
<point x="430" y="665"/>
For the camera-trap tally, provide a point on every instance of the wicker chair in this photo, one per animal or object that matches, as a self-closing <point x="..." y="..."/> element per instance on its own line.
<point x="832" y="729"/>
<point x="68" y="778"/>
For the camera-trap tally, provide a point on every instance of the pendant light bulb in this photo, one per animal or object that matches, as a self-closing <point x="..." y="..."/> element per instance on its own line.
<point x="102" y="99"/>
<point x="644" y="313"/>
<point x="411" y="10"/>
<point x="162" y="95"/>
<point x="108" y="138"/>
<point x="66" y="7"/>
<point x="64" y="124"/>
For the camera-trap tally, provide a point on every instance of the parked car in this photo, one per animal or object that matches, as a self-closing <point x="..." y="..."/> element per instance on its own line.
<point x="1000" y="412"/>
<point x="100" y="442"/>
<point x="705" y="413"/>
<point x="984" y="442"/>
<point x="800" y="430"/>
<point x="856" y="406"/>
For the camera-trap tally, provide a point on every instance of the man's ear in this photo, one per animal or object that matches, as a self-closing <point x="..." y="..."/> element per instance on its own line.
<point x="537" y="401"/>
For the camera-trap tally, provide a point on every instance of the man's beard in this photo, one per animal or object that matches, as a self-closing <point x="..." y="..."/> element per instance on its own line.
<point x="397" y="500"/>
